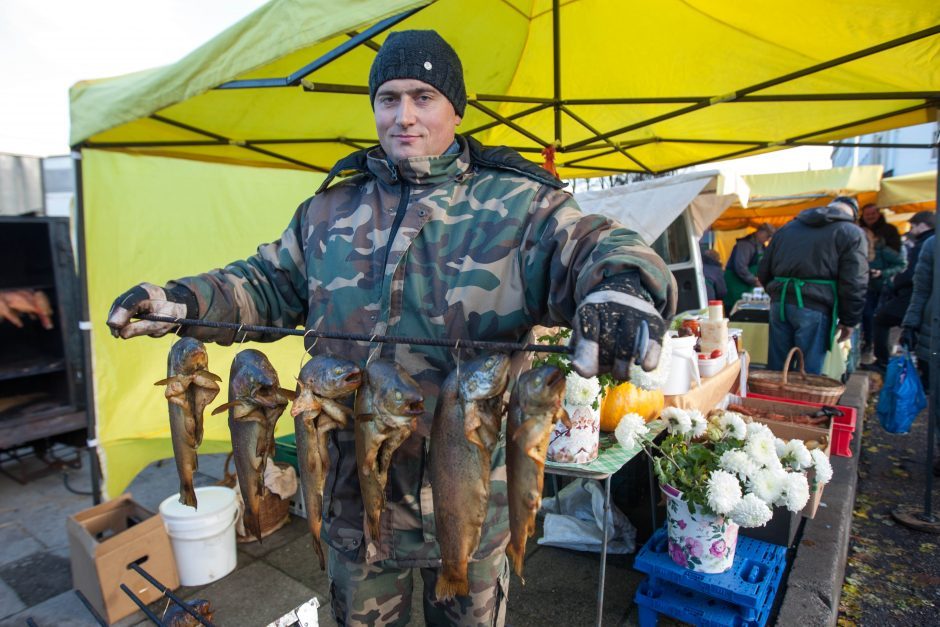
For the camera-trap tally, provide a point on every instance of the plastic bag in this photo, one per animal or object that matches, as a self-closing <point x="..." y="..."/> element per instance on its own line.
<point x="580" y="525"/>
<point x="902" y="396"/>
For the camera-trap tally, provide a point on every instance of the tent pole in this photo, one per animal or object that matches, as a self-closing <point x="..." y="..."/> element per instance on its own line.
<point x="84" y="328"/>
<point x="556" y="68"/>
<point x="908" y="516"/>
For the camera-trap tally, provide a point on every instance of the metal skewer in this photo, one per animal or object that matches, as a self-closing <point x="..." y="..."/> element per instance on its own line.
<point x="363" y="337"/>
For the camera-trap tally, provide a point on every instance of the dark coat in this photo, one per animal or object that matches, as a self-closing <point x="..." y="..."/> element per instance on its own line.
<point x="742" y="256"/>
<point x="821" y="243"/>
<point x="923" y="300"/>
<point x="888" y="233"/>
<point x="715" y="285"/>
<point x="897" y="292"/>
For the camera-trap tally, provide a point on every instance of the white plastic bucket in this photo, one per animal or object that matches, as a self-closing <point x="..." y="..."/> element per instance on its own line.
<point x="203" y="539"/>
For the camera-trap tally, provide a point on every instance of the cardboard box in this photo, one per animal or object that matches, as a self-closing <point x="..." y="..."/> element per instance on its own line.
<point x="791" y="431"/>
<point x="104" y="540"/>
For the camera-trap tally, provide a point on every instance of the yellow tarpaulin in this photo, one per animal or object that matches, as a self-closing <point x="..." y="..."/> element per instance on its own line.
<point x="647" y="85"/>
<point x="908" y="194"/>
<point x="154" y="219"/>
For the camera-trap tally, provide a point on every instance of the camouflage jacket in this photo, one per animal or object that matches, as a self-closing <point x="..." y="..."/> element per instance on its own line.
<point x="488" y="246"/>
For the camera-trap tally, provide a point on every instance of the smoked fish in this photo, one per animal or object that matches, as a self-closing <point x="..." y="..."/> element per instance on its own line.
<point x="190" y="387"/>
<point x="464" y="434"/>
<point x="387" y="408"/>
<point x="256" y="401"/>
<point x="316" y="411"/>
<point x="535" y="405"/>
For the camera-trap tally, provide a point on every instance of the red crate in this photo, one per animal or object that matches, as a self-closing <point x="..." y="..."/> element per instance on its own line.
<point x="842" y="426"/>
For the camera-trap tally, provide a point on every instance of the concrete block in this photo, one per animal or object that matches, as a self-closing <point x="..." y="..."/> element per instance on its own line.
<point x="285" y="535"/>
<point x="63" y="610"/>
<point x="16" y="543"/>
<point x="297" y="560"/>
<point x="10" y="603"/>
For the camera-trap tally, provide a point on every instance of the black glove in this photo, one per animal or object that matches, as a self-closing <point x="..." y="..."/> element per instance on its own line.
<point x="608" y="324"/>
<point x="908" y="337"/>
<point x="146" y="298"/>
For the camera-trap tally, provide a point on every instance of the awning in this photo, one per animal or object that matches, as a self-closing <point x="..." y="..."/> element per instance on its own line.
<point x="646" y="86"/>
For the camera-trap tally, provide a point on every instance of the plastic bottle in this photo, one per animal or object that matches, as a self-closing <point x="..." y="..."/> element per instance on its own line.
<point x="714" y="329"/>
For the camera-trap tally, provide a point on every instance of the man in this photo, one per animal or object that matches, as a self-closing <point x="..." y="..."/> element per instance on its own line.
<point x="715" y="288"/>
<point x="431" y="236"/>
<point x="743" y="263"/>
<point x="873" y="220"/>
<point x="816" y="272"/>
<point x="897" y="291"/>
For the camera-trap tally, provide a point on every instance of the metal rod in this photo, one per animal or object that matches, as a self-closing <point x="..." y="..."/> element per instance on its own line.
<point x="506" y="121"/>
<point x="85" y="330"/>
<point x="556" y="67"/>
<point x="362" y="337"/>
<point x="318" y="63"/>
<point x="608" y="141"/>
<point x="169" y="594"/>
<point x="934" y="377"/>
<point x="141" y="605"/>
<point x="88" y="606"/>
<point x="874" y="118"/>
<point x="603" y="574"/>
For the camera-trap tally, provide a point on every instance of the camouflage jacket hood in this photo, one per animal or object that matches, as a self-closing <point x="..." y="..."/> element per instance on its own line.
<point x="487" y="247"/>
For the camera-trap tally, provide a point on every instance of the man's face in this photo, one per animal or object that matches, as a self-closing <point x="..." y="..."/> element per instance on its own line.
<point x="413" y="119"/>
<point x="870" y="215"/>
<point x="763" y="237"/>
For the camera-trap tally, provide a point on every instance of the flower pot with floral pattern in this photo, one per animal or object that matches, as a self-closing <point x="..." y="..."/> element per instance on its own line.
<point x="699" y="541"/>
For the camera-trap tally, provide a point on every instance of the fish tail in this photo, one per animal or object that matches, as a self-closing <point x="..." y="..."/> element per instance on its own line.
<point x="253" y="525"/>
<point x="452" y="581"/>
<point x="374" y="527"/>
<point x="188" y="494"/>
<point x="318" y="549"/>
<point x="516" y="557"/>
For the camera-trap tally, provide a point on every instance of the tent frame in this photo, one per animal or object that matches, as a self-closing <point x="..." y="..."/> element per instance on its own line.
<point x="602" y="141"/>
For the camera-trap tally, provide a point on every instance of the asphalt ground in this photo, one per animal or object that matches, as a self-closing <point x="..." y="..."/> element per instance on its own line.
<point x="892" y="576"/>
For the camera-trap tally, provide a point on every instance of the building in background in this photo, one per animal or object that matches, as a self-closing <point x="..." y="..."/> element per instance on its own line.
<point x="36" y="186"/>
<point x="896" y="161"/>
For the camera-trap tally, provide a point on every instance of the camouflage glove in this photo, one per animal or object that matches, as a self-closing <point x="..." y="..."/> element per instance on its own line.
<point x="607" y="327"/>
<point x="146" y="298"/>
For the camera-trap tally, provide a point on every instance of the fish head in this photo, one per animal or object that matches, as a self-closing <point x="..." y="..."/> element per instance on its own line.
<point x="394" y="392"/>
<point x="330" y="376"/>
<point x="541" y="388"/>
<point x="187" y="356"/>
<point x="254" y="380"/>
<point x="484" y="377"/>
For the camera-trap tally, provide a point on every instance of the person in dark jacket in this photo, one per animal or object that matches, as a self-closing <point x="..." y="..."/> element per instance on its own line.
<point x="740" y="274"/>
<point x="873" y="220"/>
<point x="714" y="276"/>
<point x="896" y="295"/>
<point x="917" y="318"/>
<point x="816" y="272"/>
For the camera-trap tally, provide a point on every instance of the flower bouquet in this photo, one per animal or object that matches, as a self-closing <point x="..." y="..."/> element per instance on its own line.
<point x="719" y="472"/>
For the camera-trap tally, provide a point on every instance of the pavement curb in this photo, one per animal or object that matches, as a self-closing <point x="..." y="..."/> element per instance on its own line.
<point x="814" y="584"/>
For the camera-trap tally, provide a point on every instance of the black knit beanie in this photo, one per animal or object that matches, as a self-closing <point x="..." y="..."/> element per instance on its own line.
<point x="422" y="55"/>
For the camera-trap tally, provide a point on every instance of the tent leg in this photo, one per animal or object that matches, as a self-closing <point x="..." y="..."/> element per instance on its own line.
<point x="84" y="327"/>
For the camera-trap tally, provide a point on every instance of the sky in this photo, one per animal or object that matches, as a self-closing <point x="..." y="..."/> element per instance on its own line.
<point x="48" y="45"/>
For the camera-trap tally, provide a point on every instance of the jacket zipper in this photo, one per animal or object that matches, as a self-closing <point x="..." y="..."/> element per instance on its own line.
<point x="399" y="216"/>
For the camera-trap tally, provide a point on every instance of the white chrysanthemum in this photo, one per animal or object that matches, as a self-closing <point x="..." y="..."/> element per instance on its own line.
<point x="759" y="430"/>
<point x="751" y="511"/>
<point x="723" y="492"/>
<point x="732" y="425"/>
<point x="630" y="430"/>
<point x="677" y="420"/>
<point x="762" y="451"/>
<point x="657" y="377"/>
<point x="768" y="484"/>
<point x="780" y="446"/>
<point x="796" y="492"/>
<point x="699" y="424"/>
<point x="581" y="391"/>
<point x="796" y="455"/>
<point x="822" y="466"/>
<point x="737" y="462"/>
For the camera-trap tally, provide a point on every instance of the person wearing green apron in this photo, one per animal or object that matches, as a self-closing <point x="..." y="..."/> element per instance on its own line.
<point x="741" y="271"/>
<point x="816" y="272"/>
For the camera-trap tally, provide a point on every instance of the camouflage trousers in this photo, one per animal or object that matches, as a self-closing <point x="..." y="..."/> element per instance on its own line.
<point x="382" y="593"/>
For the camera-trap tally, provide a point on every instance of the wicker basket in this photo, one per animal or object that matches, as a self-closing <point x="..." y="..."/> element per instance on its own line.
<point x="273" y="511"/>
<point x="814" y="388"/>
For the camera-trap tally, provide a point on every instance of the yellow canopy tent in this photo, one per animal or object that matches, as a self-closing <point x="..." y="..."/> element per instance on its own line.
<point x="903" y="196"/>
<point x="610" y="86"/>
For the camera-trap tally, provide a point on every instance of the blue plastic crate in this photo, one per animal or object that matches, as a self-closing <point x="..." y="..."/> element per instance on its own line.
<point x="693" y="607"/>
<point x="750" y="583"/>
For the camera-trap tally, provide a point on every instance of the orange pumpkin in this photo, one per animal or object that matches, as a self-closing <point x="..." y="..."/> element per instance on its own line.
<point x="627" y="398"/>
